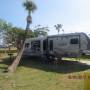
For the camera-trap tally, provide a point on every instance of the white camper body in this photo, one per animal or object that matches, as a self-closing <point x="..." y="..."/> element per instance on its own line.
<point x="67" y="45"/>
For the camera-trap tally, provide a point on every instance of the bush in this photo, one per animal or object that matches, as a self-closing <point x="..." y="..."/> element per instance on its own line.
<point x="7" y="51"/>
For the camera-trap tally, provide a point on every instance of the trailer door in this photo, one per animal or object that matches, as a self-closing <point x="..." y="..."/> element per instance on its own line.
<point x="44" y="46"/>
<point x="51" y="45"/>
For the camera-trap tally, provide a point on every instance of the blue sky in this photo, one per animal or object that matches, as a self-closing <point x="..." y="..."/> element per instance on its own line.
<point x="73" y="14"/>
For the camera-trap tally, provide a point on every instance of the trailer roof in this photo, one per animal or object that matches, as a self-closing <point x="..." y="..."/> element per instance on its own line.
<point x="42" y="38"/>
<point x="68" y="34"/>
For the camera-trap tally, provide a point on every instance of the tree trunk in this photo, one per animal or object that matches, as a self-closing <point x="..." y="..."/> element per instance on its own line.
<point x="15" y="63"/>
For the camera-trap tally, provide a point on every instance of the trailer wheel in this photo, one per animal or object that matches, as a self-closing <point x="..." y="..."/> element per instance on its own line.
<point x="83" y="54"/>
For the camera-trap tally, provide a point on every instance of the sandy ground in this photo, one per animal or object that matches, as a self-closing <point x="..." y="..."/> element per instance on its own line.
<point x="85" y="62"/>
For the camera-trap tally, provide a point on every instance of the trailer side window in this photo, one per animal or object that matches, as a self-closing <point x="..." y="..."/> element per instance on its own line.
<point x="51" y="45"/>
<point x="74" y="41"/>
<point x="26" y="45"/>
<point x="35" y="45"/>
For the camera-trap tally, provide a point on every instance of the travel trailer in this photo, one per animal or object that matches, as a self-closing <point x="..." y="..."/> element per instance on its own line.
<point x="63" y="45"/>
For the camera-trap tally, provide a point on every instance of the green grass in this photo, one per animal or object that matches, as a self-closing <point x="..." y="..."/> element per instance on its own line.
<point x="32" y="79"/>
<point x="33" y="74"/>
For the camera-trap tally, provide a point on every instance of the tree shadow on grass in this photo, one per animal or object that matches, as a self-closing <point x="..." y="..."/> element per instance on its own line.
<point x="64" y="67"/>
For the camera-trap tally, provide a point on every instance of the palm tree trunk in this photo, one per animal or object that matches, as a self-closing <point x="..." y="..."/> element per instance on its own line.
<point x="15" y="63"/>
<point x="30" y="7"/>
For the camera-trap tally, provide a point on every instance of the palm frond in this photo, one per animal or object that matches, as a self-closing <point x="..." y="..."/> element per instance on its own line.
<point x="30" y="6"/>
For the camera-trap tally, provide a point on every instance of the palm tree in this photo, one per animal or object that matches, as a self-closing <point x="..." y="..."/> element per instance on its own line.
<point x="58" y="27"/>
<point x="30" y="7"/>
